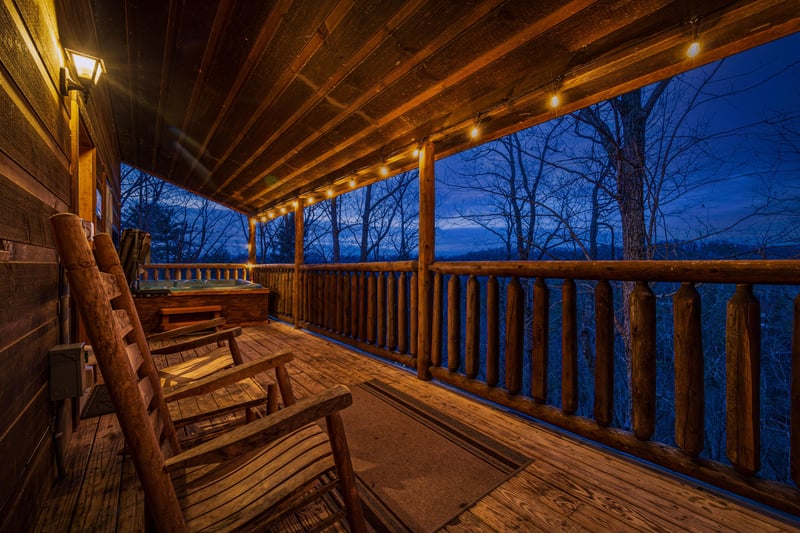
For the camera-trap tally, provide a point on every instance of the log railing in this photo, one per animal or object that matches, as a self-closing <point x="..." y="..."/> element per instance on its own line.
<point x="548" y="282"/>
<point x="494" y="326"/>
<point x="278" y="278"/>
<point x="196" y="271"/>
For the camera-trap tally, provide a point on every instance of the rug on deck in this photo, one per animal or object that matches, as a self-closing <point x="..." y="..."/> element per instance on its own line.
<point x="99" y="402"/>
<point x="416" y="467"/>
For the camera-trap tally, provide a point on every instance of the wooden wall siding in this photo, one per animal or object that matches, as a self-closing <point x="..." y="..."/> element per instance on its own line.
<point x="35" y="182"/>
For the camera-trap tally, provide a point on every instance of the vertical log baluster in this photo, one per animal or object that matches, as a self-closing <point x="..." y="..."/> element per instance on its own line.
<point x="354" y="304"/>
<point x="338" y="301"/>
<point x="328" y="299"/>
<point x="540" y="340"/>
<point x="413" y="313"/>
<point x="689" y="391"/>
<point x="347" y="291"/>
<point x="436" y="321"/>
<point x="453" y="323"/>
<point x="402" y="313"/>
<point x="391" y="319"/>
<point x="371" y="306"/>
<point x="492" y="332"/>
<point x="643" y="360"/>
<point x="742" y="361"/>
<point x="381" y="311"/>
<point x="794" y="406"/>
<point x="362" y="305"/>
<point x="330" y="278"/>
<point x="473" y="340"/>
<point x="569" y="347"/>
<point x="604" y="350"/>
<point x="515" y="311"/>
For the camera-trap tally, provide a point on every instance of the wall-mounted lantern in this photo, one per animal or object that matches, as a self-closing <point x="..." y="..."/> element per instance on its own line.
<point x="88" y="70"/>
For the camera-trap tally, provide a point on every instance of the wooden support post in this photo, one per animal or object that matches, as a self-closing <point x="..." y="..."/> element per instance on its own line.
<point x="689" y="391"/>
<point x="604" y="348"/>
<point x="427" y="204"/>
<point x="251" y="243"/>
<point x="541" y="340"/>
<point x="643" y="360"/>
<point x="742" y="365"/>
<point x="298" y="260"/>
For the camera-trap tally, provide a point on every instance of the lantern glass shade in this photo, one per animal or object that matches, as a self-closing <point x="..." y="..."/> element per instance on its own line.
<point x="88" y="68"/>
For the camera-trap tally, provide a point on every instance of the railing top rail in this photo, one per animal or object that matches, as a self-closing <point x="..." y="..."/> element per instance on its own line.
<point x="272" y="265"/>
<point x="377" y="266"/>
<point x="777" y="271"/>
<point x="195" y="265"/>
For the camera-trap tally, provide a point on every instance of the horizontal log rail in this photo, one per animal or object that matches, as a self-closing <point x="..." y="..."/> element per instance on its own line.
<point x="195" y="271"/>
<point x="496" y="327"/>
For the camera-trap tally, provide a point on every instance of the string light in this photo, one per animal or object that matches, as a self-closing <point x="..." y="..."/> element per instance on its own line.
<point x="352" y="183"/>
<point x="270" y="215"/>
<point x="693" y="49"/>
<point x="329" y="193"/>
<point x="310" y="200"/>
<point x="555" y="101"/>
<point x="283" y="209"/>
<point x="384" y="170"/>
<point x="474" y="132"/>
<point x="415" y="153"/>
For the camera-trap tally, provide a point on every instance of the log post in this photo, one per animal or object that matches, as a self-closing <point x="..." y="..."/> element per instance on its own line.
<point x="402" y="313"/>
<point x="742" y="363"/>
<point x="604" y="349"/>
<point x="453" y="323"/>
<point x="381" y="309"/>
<point x="436" y="322"/>
<point x="251" y="241"/>
<point x="540" y="341"/>
<point x="492" y="332"/>
<point x="347" y="292"/>
<point x="427" y="225"/>
<point x="362" y="305"/>
<point x="569" y="347"/>
<point x="643" y="360"/>
<point x="689" y="390"/>
<point x="371" y="306"/>
<point x="298" y="260"/>
<point x="413" y="313"/>
<point x="515" y="320"/>
<point x="391" y="311"/>
<point x="473" y="340"/>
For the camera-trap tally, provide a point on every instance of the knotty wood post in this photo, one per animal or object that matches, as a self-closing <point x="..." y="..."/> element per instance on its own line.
<point x="515" y="318"/>
<point x="604" y="350"/>
<point x="540" y="341"/>
<point x="436" y="322"/>
<point x="381" y="305"/>
<point x="472" y="348"/>
<point x="372" y="296"/>
<point x="251" y="241"/>
<point x="402" y="313"/>
<point x="794" y="404"/>
<point x="492" y="332"/>
<point x="569" y="347"/>
<point x="643" y="360"/>
<point x="453" y="323"/>
<point x="689" y="390"/>
<point x="298" y="260"/>
<point x="742" y="362"/>
<point x="427" y="207"/>
<point x="391" y="311"/>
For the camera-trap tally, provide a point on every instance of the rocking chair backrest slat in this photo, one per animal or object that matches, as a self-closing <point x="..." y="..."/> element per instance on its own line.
<point x="103" y="326"/>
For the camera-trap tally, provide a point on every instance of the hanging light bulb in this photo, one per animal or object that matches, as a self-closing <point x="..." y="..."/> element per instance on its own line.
<point x="310" y="200"/>
<point x="329" y="193"/>
<point x="283" y="209"/>
<point x="415" y="153"/>
<point x="474" y="132"/>
<point x="693" y="49"/>
<point x="384" y="170"/>
<point x="352" y="183"/>
<point x="555" y="101"/>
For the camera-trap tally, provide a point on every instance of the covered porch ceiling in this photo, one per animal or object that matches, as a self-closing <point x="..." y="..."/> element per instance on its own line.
<point x="256" y="103"/>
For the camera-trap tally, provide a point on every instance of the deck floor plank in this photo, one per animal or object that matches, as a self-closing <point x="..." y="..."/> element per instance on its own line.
<point x="571" y="485"/>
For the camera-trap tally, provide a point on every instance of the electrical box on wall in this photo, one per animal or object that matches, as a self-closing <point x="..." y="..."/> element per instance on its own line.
<point x="66" y="370"/>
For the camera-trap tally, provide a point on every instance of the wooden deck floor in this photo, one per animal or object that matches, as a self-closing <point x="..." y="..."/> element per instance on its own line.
<point x="569" y="485"/>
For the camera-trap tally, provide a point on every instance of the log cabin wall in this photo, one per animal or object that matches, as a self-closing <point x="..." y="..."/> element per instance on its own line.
<point x="42" y="137"/>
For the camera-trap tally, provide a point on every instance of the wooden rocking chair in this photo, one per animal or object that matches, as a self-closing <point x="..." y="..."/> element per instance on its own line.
<point x="198" y="407"/>
<point x="250" y="477"/>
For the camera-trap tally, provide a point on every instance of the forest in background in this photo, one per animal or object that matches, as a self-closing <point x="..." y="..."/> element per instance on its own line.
<point x="682" y="169"/>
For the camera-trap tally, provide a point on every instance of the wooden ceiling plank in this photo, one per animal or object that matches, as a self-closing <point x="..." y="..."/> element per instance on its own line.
<point x="369" y="45"/>
<point x="530" y="32"/>
<point x="286" y="77"/>
<point x="173" y="21"/>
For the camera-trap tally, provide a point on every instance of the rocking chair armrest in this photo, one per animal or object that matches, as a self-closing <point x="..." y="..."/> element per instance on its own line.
<point x="185" y="330"/>
<point x="264" y="430"/>
<point x="226" y="377"/>
<point x="197" y="342"/>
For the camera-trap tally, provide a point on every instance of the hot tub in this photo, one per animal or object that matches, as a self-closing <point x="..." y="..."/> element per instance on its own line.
<point x="243" y="302"/>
